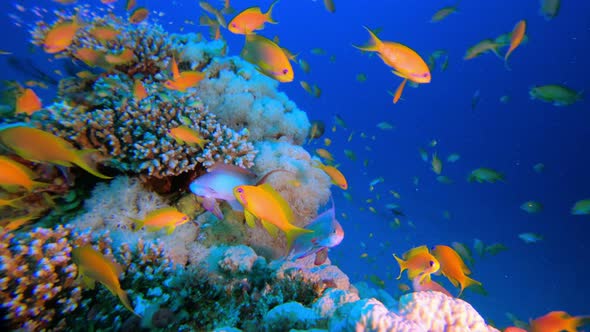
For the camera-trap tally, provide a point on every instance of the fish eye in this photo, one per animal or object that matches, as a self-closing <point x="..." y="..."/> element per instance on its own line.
<point x="240" y="190"/>
<point x="234" y="25"/>
<point x="431" y="263"/>
<point x="285" y="71"/>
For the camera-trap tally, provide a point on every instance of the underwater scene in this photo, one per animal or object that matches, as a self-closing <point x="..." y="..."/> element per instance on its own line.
<point x="294" y="165"/>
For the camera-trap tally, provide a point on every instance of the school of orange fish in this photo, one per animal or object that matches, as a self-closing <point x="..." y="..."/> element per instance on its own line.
<point x="260" y="201"/>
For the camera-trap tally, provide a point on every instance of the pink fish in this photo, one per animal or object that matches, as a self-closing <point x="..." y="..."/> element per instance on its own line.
<point x="428" y="285"/>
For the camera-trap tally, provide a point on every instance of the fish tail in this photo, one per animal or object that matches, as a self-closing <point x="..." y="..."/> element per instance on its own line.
<point x="402" y="265"/>
<point x="268" y="14"/>
<point x="293" y="233"/>
<point x="468" y="282"/>
<point x="374" y="43"/>
<point x="80" y="161"/>
<point x="125" y="300"/>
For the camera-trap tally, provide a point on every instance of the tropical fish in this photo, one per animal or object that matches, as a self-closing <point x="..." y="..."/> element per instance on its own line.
<point x="183" y="80"/>
<point x="326" y="233"/>
<point x="453" y="157"/>
<point x="274" y="212"/>
<point x="530" y="237"/>
<point x="464" y="252"/>
<point x="40" y="146"/>
<point x="559" y="95"/>
<point x="406" y="62"/>
<point x="334" y="174"/>
<point x="94" y="266"/>
<point x="130" y="4"/>
<point x="250" y="20"/>
<point x="442" y="13"/>
<point x="138" y="15"/>
<point x="168" y="218"/>
<point x="12" y="224"/>
<point x="187" y="135"/>
<point x="269" y="58"/>
<point x="557" y="321"/>
<point x="531" y="207"/>
<point x="60" y="36"/>
<point x="479" y="247"/>
<point x="122" y="58"/>
<point x="350" y="154"/>
<point x="419" y="263"/>
<point x="105" y="33"/>
<point x="361" y="77"/>
<point x="453" y="267"/>
<point x="28" y="102"/>
<point x="420" y="284"/>
<point x="539" y="168"/>
<point x="139" y="92"/>
<point x="423" y="154"/>
<point x="549" y="8"/>
<point x="505" y="99"/>
<point x="515" y="39"/>
<point x="485" y="175"/>
<point x="317" y="130"/>
<point x="484" y="46"/>
<point x="581" y="207"/>
<point x="90" y="56"/>
<point x="330" y="7"/>
<point x="444" y="179"/>
<point x="325" y="154"/>
<point x="436" y="164"/>
<point x="14" y="174"/>
<point x="9" y="202"/>
<point x="340" y="121"/>
<point x="384" y="125"/>
<point x="495" y="248"/>
<point x="304" y="65"/>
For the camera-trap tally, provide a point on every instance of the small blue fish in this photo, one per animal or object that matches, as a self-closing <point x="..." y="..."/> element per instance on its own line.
<point x="530" y="237"/>
<point x="327" y="233"/>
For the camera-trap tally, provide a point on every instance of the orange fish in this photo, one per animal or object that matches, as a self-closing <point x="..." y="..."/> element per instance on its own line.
<point x="168" y="218"/>
<point x="139" y="92"/>
<point x="419" y="263"/>
<point x="330" y="7"/>
<point x="89" y="56"/>
<point x="399" y="90"/>
<point x="10" y="202"/>
<point x="182" y="81"/>
<point x="558" y="321"/>
<point x="28" y="102"/>
<point x="130" y="4"/>
<point x="334" y="174"/>
<point x="11" y="224"/>
<point x="60" y="36"/>
<point x="250" y="20"/>
<point x="453" y="267"/>
<point x="482" y="47"/>
<point x="274" y="212"/>
<point x="94" y="266"/>
<point x="269" y="58"/>
<point x="515" y="39"/>
<point x="104" y="34"/>
<point x="122" y="58"/>
<point x="138" y="15"/>
<point x="184" y="134"/>
<point x="39" y="146"/>
<point x="14" y="174"/>
<point x="406" y="62"/>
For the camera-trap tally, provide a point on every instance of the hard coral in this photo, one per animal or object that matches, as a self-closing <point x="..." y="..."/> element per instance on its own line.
<point x="38" y="286"/>
<point x="135" y="133"/>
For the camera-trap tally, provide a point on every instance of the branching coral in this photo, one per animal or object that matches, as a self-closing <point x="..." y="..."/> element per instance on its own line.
<point x="38" y="284"/>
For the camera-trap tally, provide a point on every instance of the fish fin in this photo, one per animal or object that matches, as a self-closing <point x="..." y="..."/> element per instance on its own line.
<point x="250" y="219"/>
<point x="88" y="282"/>
<point x="80" y="161"/>
<point x="402" y="266"/>
<point x="373" y="45"/>
<point x="268" y="14"/>
<point x="398" y="74"/>
<point x="210" y="204"/>
<point x="270" y="228"/>
<point x="468" y="282"/>
<point x="125" y="300"/>
<point x="293" y="233"/>
<point x="170" y="229"/>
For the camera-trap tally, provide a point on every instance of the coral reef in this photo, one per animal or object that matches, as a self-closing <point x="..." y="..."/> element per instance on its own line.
<point x="243" y="98"/>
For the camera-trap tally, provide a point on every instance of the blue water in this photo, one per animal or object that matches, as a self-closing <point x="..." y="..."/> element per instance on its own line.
<point x="529" y="279"/>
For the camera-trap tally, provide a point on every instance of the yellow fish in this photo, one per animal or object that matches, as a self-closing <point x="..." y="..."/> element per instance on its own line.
<point x="270" y="59"/>
<point x="168" y="218"/>
<point x="334" y="174"/>
<point x="266" y="204"/>
<point x="60" y="36"/>
<point x="419" y="262"/>
<point x="94" y="266"/>
<point x="9" y="225"/>
<point x="40" y="146"/>
<point x="189" y="136"/>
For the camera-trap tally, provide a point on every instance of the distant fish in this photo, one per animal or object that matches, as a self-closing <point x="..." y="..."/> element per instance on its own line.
<point x="515" y="39"/>
<point x="539" y="168"/>
<point x="442" y="13"/>
<point x="530" y="237"/>
<point x="453" y="157"/>
<point x="581" y="207"/>
<point x="531" y="207"/>
<point x="485" y="175"/>
<point x="558" y="95"/>
<point x="330" y="7"/>
<point x="549" y="8"/>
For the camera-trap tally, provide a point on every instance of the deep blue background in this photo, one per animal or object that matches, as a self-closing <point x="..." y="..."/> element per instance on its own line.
<point x="528" y="280"/>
